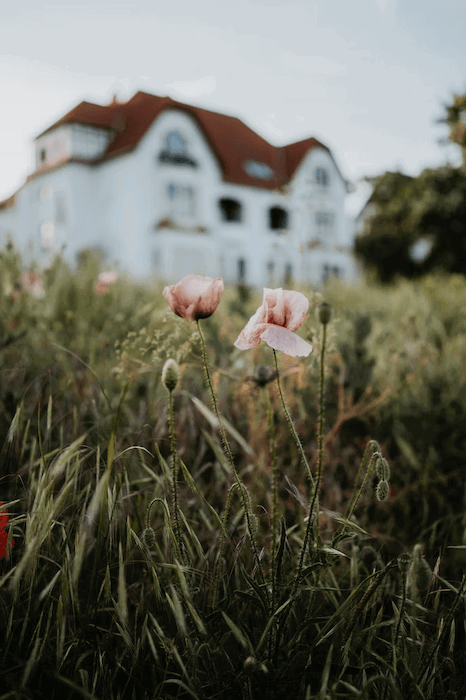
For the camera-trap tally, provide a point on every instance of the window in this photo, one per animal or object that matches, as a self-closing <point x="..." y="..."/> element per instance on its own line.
<point x="324" y="225"/>
<point x="230" y="210"/>
<point x="46" y="193"/>
<point x="175" y="151"/>
<point x="241" y="270"/>
<point x="181" y="200"/>
<point x="155" y="259"/>
<point x="42" y="155"/>
<point x="270" y="272"/>
<point x="288" y="276"/>
<point x="47" y="234"/>
<point x="278" y="218"/>
<point x="322" y="177"/>
<point x="175" y="142"/>
<point x="60" y="208"/>
<point x="329" y="271"/>
<point x="262" y="171"/>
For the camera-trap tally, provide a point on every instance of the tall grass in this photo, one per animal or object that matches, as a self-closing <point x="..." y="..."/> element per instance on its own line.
<point x="153" y="561"/>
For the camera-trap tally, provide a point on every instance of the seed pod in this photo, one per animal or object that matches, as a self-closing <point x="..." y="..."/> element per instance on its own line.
<point x="170" y="375"/>
<point x="382" y="490"/>
<point x="382" y="468"/>
<point x="324" y="312"/>
<point x="263" y="375"/>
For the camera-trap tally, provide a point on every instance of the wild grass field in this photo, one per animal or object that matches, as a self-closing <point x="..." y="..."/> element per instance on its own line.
<point x="182" y="518"/>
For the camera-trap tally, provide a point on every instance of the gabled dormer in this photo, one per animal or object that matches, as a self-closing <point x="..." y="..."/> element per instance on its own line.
<point x="69" y="141"/>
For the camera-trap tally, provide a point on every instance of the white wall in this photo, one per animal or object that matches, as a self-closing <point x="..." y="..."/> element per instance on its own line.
<point x="118" y="204"/>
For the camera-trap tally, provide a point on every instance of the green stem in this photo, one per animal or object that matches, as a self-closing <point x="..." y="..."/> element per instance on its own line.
<point x="174" y="475"/>
<point x="219" y="567"/>
<point x="273" y="456"/>
<point x="375" y="447"/>
<point x="353" y="505"/>
<point x="320" y="441"/>
<point x="291" y="424"/>
<point x="314" y="498"/>
<point x="226" y="447"/>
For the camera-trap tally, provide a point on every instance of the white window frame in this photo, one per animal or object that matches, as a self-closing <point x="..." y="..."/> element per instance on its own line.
<point x="181" y="200"/>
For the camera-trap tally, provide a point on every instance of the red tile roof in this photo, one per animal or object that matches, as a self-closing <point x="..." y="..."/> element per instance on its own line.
<point x="9" y="202"/>
<point x="231" y="140"/>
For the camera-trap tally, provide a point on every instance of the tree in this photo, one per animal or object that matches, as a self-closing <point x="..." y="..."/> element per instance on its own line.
<point x="411" y="226"/>
<point x="455" y="118"/>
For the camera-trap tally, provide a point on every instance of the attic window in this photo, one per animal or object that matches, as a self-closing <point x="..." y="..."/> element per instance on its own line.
<point x="42" y="155"/>
<point x="278" y="218"/>
<point x="230" y="210"/>
<point x="322" y="177"/>
<point x="175" y="142"/>
<point x="262" y="171"/>
<point x="175" y="151"/>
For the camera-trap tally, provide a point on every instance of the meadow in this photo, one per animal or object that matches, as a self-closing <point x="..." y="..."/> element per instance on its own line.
<point x="182" y="518"/>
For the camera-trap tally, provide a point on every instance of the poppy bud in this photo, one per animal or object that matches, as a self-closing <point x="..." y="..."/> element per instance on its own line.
<point x="324" y="312"/>
<point x="382" y="468"/>
<point x="382" y="490"/>
<point x="263" y="375"/>
<point x="170" y="375"/>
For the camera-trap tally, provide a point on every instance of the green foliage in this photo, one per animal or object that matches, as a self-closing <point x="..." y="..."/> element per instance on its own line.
<point x="98" y="599"/>
<point x="455" y="118"/>
<point x="428" y="211"/>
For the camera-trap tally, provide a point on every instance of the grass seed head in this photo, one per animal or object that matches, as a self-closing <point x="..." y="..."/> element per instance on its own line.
<point x="403" y="562"/>
<point x="148" y="537"/>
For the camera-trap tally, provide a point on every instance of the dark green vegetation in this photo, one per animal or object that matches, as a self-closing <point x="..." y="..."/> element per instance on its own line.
<point x="416" y="225"/>
<point x="89" y="608"/>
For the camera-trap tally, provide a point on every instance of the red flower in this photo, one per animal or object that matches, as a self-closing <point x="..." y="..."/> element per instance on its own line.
<point x="3" y="534"/>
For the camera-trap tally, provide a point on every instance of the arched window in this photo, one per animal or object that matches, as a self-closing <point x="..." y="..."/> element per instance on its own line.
<point x="175" y="151"/>
<point x="278" y="218"/>
<point x="230" y="210"/>
<point x="175" y="142"/>
<point x="322" y="177"/>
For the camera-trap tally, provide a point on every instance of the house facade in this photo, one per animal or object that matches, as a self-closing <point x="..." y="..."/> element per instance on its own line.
<point x="163" y="187"/>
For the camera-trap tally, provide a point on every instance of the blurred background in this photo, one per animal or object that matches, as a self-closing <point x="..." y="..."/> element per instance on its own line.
<point x="370" y="82"/>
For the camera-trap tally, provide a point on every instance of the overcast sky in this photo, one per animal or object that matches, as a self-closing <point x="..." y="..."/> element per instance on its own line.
<point x="367" y="77"/>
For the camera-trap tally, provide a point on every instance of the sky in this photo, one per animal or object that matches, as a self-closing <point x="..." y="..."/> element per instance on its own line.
<point x="368" y="78"/>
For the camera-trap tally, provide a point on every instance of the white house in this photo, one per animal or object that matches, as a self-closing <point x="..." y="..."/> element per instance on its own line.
<point x="164" y="187"/>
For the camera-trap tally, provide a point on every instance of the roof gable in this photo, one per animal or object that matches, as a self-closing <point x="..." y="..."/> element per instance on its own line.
<point x="232" y="141"/>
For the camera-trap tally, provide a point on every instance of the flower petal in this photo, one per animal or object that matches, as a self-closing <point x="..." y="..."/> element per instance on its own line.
<point x="285" y="307"/>
<point x="284" y="340"/>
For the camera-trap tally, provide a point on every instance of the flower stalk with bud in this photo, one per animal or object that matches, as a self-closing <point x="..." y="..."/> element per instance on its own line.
<point x="194" y="298"/>
<point x="170" y="376"/>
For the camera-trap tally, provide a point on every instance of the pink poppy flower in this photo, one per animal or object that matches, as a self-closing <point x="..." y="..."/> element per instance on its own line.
<point x="104" y="280"/>
<point x="32" y="283"/>
<point x="281" y="313"/>
<point x="194" y="297"/>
